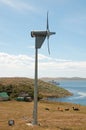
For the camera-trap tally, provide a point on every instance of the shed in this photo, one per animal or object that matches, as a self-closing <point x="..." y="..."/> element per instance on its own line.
<point x="20" y="98"/>
<point x="26" y="99"/>
<point x="4" y="96"/>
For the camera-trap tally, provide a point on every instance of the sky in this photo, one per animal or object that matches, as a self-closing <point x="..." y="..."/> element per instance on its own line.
<point x="67" y="47"/>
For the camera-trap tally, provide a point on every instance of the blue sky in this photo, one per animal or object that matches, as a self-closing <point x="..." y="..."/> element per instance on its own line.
<point x="68" y="47"/>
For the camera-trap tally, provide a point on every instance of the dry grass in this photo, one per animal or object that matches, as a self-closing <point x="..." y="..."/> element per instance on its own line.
<point x="51" y="119"/>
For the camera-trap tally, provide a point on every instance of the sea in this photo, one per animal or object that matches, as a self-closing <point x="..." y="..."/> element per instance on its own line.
<point x="77" y="87"/>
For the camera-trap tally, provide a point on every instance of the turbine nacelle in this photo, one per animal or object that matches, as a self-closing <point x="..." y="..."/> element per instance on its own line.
<point x="38" y="33"/>
<point x="41" y="33"/>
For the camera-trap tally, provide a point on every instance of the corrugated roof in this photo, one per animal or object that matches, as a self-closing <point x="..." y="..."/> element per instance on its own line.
<point x="3" y="94"/>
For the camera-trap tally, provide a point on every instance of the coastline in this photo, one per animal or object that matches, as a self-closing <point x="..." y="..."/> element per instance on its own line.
<point x="77" y="87"/>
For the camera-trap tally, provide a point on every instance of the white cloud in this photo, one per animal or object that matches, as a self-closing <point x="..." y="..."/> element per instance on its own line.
<point x="43" y="57"/>
<point x="23" y="66"/>
<point x="15" y="65"/>
<point x="18" y="4"/>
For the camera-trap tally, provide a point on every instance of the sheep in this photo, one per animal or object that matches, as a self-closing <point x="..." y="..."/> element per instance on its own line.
<point x="47" y="109"/>
<point x="66" y="109"/>
<point x="75" y="108"/>
<point x="60" y="109"/>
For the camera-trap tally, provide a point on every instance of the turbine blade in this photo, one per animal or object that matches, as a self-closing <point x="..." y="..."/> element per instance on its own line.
<point x="47" y="23"/>
<point x="48" y="45"/>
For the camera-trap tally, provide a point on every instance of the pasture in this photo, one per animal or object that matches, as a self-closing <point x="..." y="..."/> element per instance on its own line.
<point x="49" y="116"/>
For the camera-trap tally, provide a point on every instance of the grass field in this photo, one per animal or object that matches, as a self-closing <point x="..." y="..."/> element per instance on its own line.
<point x="52" y="119"/>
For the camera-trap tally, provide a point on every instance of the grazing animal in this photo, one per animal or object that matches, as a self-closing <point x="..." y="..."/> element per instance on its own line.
<point x="47" y="109"/>
<point x="75" y="108"/>
<point x="66" y="109"/>
<point x="60" y="109"/>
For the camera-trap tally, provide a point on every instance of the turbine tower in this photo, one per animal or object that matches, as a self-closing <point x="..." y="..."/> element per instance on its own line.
<point x="40" y="36"/>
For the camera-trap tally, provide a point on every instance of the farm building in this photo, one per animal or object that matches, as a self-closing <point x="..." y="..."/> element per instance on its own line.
<point x="24" y="97"/>
<point x="4" y="96"/>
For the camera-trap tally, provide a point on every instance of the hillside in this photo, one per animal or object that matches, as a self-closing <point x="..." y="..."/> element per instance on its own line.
<point x="61" y="78"/>
<point x="14" y="86"/>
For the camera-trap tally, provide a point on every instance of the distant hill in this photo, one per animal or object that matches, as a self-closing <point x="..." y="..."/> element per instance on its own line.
<point x="15" y="86"/>
<point x="61" y="78"/>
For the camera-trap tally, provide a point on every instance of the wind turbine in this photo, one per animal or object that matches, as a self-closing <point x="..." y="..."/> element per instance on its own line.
<point x="40" y="36"/>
